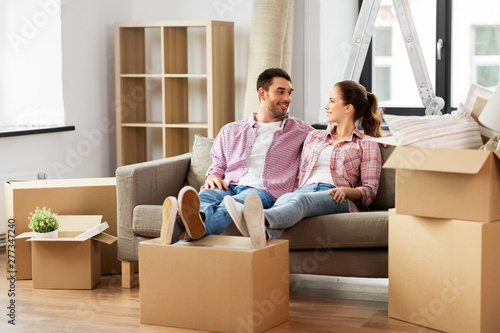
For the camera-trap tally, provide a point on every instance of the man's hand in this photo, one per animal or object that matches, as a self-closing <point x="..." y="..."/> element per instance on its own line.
<point x="214" y="182"/>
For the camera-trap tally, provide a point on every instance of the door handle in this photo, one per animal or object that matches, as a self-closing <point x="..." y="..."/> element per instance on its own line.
<point x="439" y="46"/>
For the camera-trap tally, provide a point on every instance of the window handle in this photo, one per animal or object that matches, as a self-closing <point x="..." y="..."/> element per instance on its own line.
<point x="439" y="47"/>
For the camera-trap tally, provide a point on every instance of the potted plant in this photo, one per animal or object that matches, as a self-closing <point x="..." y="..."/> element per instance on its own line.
<point x="44" y="223"/>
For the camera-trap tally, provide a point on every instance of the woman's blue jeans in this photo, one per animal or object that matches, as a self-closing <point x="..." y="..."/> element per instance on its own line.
<point x="307" y="201"/>
<point x="217" y="219"/>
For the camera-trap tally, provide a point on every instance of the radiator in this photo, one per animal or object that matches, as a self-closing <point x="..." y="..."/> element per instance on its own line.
<point x="20" y="175"/>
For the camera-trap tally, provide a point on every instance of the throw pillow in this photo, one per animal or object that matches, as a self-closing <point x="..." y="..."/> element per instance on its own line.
<point x="385" y="198"/>
<point x="454" y="131"/>
<point x="200" y="161"/>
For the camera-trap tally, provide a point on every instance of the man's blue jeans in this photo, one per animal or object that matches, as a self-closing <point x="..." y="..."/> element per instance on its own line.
<point x="307" y="201"/>
<point x="217" y="219"/>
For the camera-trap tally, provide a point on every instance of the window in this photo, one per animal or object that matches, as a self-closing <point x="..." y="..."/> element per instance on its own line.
<point x="476" y="46"/>
<point x="470" y="32"/>
<point x="31" y="64"/>
<point x="486" y="55"/>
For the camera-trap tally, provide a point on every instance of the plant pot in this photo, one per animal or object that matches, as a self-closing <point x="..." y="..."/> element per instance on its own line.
<point x="50" y="234"/>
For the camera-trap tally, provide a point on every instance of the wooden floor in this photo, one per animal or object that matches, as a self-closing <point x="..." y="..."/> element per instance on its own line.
<point x="109" y="308"/>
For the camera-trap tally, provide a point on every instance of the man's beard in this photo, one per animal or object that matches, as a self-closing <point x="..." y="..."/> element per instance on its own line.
<point x="277" y="113"/>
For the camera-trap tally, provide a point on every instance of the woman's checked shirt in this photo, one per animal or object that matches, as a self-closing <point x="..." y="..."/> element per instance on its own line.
<point x="355" y="163"/>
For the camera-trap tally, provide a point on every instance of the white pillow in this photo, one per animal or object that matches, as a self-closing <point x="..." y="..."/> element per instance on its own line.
<point x="456" y="131"/>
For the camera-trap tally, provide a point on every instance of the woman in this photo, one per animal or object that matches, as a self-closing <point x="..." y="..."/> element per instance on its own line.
<point x="339" y="170"/>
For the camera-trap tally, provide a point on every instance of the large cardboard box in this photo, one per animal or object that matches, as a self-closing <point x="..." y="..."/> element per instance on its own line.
<point x="73" y="260"/>
<point x="86" y="196"/>
<point x="218" y="283"/>
<point x="447" y="183"/>
<point x="444" y="274"/>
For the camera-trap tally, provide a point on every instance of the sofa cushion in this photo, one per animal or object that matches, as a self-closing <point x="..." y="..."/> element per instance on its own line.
<point x="346" y="230"/>
<point x="146" y="220"/>
<point x="200" y="161"/>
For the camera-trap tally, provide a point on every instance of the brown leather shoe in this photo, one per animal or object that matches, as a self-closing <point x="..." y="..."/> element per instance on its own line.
<point x="189" y="210"/>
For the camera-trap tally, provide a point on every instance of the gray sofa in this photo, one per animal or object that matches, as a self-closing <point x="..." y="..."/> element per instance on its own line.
<point x="350" y="244"/>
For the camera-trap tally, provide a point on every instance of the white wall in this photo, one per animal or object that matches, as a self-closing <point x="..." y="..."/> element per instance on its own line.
<point x="88" y="75"/>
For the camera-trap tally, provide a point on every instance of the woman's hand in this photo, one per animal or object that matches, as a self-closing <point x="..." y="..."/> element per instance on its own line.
<point x="339" y="194"/>
<point x="214" y="182"/>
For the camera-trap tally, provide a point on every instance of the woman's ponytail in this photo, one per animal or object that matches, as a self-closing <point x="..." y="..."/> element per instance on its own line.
<point x="372" y="119"/>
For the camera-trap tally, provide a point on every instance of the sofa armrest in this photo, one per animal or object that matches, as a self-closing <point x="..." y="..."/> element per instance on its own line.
<point x="145" y="183"/>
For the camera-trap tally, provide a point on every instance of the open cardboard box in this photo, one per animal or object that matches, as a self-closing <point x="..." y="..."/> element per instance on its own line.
<point x="444" y="273"/>
<point x="216" y="283"/>
<point x="73" y="260"/>
<point x="83" y="196"/>
<point x="447" y="183"/>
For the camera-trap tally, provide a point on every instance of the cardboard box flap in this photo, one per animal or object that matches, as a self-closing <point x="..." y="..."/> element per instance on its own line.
<point x="105" y="238"/>
<point x="25" y="235"/>
<point x="439" y="160"/>
<point x="61" y="235"/>
<point x="93" y="231"/>
<point x="60" y="183"/>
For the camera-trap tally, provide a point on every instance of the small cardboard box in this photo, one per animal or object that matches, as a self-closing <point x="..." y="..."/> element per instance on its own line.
<point x="85" y="196"/>
<point x="73" y="260"/>
<point x="444" y="274"/>
<point x="218" y="283"/>
<point x="447" y="183"/>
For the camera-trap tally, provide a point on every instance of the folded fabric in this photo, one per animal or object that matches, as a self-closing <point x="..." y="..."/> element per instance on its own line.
<point x="492" y="144"/>
<point x="457" y="130"/>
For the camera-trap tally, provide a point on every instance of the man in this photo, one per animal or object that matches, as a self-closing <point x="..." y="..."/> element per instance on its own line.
<point x="258" y="156"/>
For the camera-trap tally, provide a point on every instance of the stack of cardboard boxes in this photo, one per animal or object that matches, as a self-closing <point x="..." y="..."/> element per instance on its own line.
<point x="444" y="239"/>
<point x="63" y="263"/>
